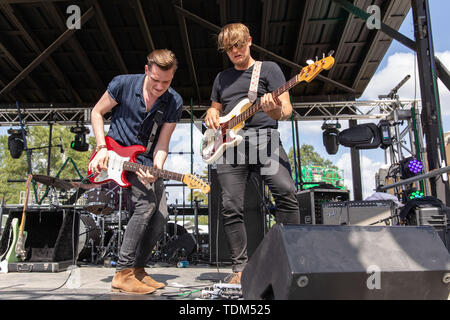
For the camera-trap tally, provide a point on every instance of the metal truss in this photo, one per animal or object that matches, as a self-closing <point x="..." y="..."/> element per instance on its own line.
<point x="350" y="110"/>
<point x="311" y="111"/>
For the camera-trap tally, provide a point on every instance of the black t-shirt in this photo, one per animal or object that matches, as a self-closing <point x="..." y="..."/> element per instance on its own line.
<point x="231" y="86"/>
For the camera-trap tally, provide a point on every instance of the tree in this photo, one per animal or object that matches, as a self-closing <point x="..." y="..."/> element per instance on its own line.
<point x="38" y="137"/>
<point x="197" y="193"/>
<point x="309" y="157"/>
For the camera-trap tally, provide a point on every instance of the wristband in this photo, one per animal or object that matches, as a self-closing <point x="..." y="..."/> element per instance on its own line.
<point x="100" y="147"/>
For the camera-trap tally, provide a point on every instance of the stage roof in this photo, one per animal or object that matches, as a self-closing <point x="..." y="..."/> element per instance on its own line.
<point x="43" y="64"/>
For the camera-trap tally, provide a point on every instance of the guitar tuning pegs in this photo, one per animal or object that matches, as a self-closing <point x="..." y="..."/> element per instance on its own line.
<point x="309" y="61"/>
<point x="323" y="55"/>
<point x="331" y="53"/>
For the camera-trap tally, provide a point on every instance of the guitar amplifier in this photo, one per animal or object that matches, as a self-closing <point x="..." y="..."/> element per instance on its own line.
<point x="310" y="203"/>
<point x="49" y="237"/>
<point x="438" y="219"/>
<point x="360" y="213"/>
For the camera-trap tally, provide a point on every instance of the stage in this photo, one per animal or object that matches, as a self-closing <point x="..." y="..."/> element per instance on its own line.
<point x="93" y="282"/>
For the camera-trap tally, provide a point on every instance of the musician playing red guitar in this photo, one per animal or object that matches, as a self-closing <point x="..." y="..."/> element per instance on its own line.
<point x="231" y="86"/>
<point x="144" y="111"/>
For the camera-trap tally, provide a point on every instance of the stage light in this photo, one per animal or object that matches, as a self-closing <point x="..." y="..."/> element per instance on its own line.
<point x="15" y="143"/>
<point x="410" y="167"/>
<point x="331" y="137"/>
<point x="362" y="136"/>
<point x="416" y="194"/>
<point x="79" y="143"/>
<point x="385" y="129"/>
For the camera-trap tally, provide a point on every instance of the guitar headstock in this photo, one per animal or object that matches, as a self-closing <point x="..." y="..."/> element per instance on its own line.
<point x="311" y="71"/>
<point x="194" y="182"/>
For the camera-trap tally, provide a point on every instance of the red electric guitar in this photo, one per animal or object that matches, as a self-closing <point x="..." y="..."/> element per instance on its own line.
<point x="123" y="159"/>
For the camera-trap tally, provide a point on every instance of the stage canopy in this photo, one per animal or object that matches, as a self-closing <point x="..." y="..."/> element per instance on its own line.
<point x="43" y="64"/>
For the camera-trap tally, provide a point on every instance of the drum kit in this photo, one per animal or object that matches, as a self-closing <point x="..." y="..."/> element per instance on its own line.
<point x="103" y="217"/>
<point x="104" y="214"/>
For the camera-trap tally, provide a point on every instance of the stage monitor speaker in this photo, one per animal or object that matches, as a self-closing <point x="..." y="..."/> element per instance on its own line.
<point x="359" y="213"/>
<point x="253" y="217"/>
<point x="310" y="203"/>
<point x="299" y="262"/>
<point x="49" y="234"/>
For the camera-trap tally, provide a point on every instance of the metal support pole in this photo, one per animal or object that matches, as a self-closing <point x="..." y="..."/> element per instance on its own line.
<point x="356" y="168"/>
<point x="431" y="110"/>
<point x="294" y="153"/>
<point x="49" y="147"/>
<point x="299" y="160"/>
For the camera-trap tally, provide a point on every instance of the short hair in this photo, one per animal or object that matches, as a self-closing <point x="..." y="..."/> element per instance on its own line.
<point x="163" y="58"/>
<point x="231" y="34"/>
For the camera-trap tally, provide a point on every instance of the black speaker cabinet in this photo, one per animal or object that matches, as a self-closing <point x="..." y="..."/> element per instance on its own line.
<point x="348" y="262"/>
<point x="253" y="217"/>
<point x="359" y="213"/>
<point x="49" y="233"/>
<point x="310" y="203"/>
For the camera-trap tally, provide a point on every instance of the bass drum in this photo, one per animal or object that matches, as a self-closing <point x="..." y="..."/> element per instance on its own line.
<point x="89" y="237"/>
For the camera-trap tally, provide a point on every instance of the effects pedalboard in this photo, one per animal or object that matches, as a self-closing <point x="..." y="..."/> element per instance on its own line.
<point x="222" y="291"/>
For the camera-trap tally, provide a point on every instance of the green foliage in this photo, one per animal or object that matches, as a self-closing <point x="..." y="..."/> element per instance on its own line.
<point x="309" y="157"/>
<point x="311" y="161"/>
<point x="38" y="139"/>
<point x="197" y="193"/>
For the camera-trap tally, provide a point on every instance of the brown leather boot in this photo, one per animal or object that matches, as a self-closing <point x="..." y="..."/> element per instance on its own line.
<point x="144" y="277"/>
<point x="235" y="278"/>
<point x="125" y="281"/>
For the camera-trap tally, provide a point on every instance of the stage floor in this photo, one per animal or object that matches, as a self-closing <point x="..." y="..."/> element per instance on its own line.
<point x="93" y="282"/>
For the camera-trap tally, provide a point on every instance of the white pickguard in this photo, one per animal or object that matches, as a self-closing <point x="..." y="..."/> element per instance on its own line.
<point x="115" y="169"/>
<point x="211" y="136"/>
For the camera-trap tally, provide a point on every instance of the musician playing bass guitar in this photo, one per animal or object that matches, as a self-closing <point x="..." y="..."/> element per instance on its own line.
<point x="260" y="134"/>
<point x="144" y="111"/>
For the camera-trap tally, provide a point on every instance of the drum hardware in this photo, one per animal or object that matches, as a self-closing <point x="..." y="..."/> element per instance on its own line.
<point x="196" y="232"/>
<point x="53" y="182"/>
<point x="88" y="238"/>
<point x="112" y="248"/>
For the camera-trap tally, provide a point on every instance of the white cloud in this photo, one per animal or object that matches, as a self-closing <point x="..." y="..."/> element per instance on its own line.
<point x="400" y="65"/>
<point x="368" y="170"/>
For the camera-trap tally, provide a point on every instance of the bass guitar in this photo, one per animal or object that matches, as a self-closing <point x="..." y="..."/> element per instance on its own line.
<point x="122" y="159"/>
<point x="216" y="141"/>
<point x="17" y="252"/>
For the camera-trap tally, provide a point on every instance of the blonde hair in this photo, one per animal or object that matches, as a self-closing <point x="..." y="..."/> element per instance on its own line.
<point x="231" y="34"/>
<point x="163" y="58"/>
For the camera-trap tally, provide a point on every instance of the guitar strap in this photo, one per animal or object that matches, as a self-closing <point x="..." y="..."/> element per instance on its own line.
<point x="253" y="90"/>
<point x="157" y="121"/>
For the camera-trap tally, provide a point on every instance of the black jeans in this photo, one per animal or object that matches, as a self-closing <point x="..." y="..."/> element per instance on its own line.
<point x="233" y="180"/>
<point x="146" y="225"/>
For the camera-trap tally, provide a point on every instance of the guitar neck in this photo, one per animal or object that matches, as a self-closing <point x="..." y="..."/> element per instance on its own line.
<point x="25" y="205"/>
<point x="131" y="166"/>
<point x="257" y="105"/>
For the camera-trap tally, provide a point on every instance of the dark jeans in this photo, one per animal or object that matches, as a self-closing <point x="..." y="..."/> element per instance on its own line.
<point x="233" y="180"/>
<point x="146" y="225"/>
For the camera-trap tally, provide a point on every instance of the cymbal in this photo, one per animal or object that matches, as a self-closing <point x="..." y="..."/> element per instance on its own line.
<point x="53" y="182"/>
